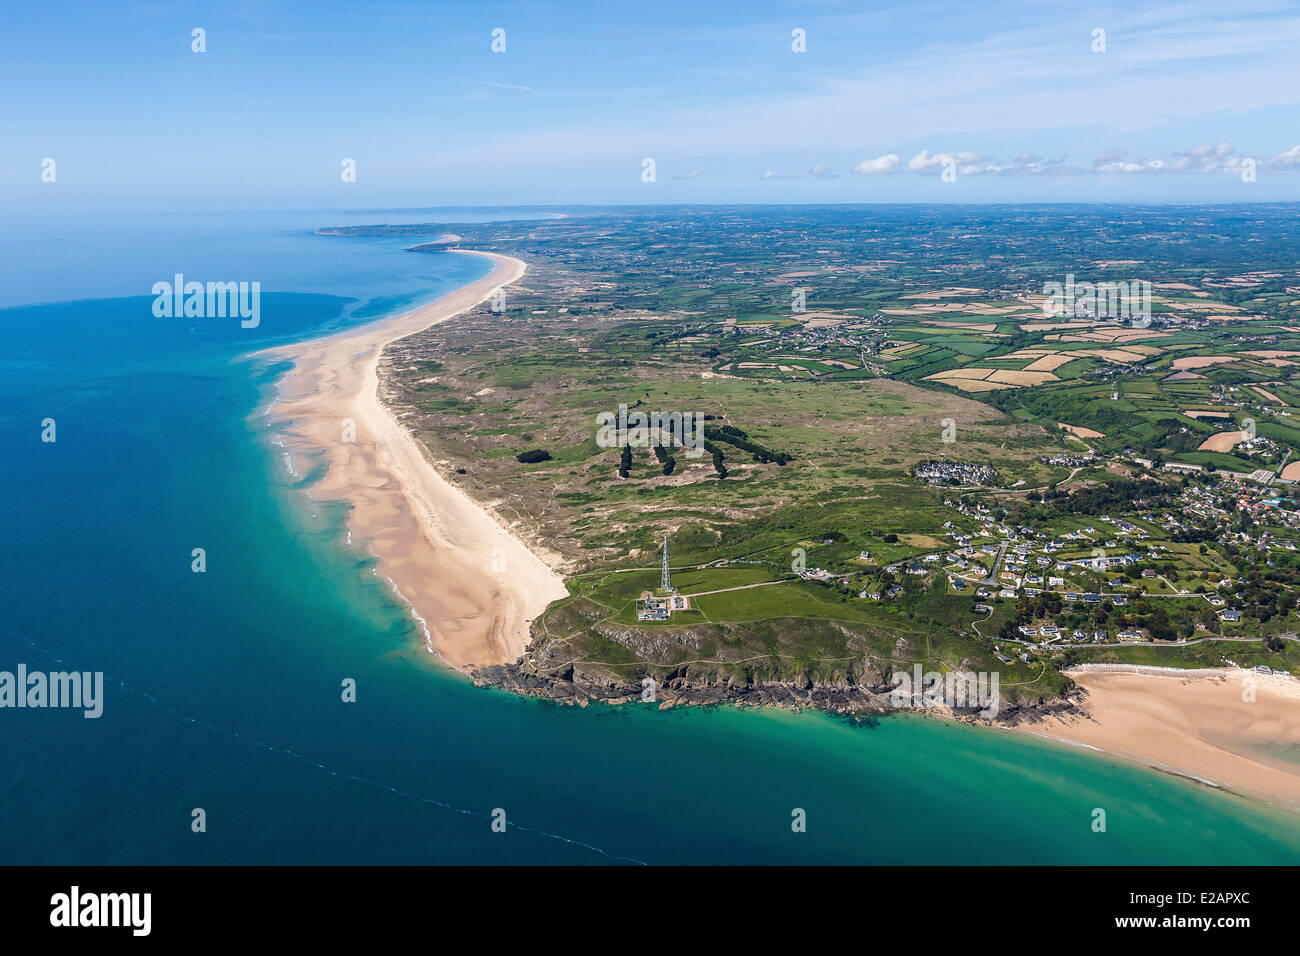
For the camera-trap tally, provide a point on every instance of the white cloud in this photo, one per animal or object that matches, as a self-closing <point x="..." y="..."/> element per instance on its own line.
<point x="926" y="160"/>
<point x="1206" y="159"/>
<point x="1129" y="166"/>
<point x="1290" y="159"/>
<point x="693" y="174"/>
<point x="1205" y="152"/>
<point x="881" y="164"/>
<point x="501" y="86"/>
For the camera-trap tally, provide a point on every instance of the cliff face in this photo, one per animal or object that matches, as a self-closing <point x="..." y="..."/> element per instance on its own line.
<point x="864" y="695"/>
<point x="578" y="654"/>
<point x="576" y="685"/>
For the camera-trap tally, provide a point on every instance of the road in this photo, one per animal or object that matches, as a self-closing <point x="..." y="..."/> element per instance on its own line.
<point x="992" y="579"/>
<point x="742" y="587"/>
<point x="1196" y="640"/>
<point x="975" y="624"/>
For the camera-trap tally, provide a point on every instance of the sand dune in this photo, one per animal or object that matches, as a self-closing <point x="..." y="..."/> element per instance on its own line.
<point x="473" y="586"/>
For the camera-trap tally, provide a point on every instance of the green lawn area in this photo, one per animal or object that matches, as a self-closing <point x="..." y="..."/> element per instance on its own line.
<point x="618" y="591"/>
<point x="794" y="599"/>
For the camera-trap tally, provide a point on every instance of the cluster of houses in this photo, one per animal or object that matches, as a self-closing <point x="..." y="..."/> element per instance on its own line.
<point x="955" y="473"/>
<point x="997" y="558"/>
<point x="1102" y="562"/>
<point x="1050" y="633"/>
<point x="1068" y="460"/>
<point x="1026" y="562"/>
<point x="1258" y="446"/>
<point x="1220" y="504"/>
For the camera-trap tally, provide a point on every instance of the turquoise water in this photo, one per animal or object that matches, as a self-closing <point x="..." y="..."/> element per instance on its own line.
<point x="224" y="687"/>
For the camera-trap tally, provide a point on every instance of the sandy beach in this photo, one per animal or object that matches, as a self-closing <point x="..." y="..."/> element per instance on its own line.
<point x="1195" y="724"/>
<point x="473" y="587"/>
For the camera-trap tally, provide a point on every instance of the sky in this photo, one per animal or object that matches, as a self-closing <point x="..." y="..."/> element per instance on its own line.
<point x="886" y="102"/>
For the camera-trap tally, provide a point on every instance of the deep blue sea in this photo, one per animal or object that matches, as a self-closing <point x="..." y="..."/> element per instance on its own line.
<point x="223" y="688"/>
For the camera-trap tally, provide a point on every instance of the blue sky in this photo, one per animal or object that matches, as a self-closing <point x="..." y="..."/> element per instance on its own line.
<point x="1010" y="95"/>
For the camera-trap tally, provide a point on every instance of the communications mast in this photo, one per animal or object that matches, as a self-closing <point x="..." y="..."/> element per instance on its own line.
<point x="666" y="583"/>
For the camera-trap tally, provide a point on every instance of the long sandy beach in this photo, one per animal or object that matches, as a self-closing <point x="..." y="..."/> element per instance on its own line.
<point x="1234" y="729"/>
<point x="473" y="586"/>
